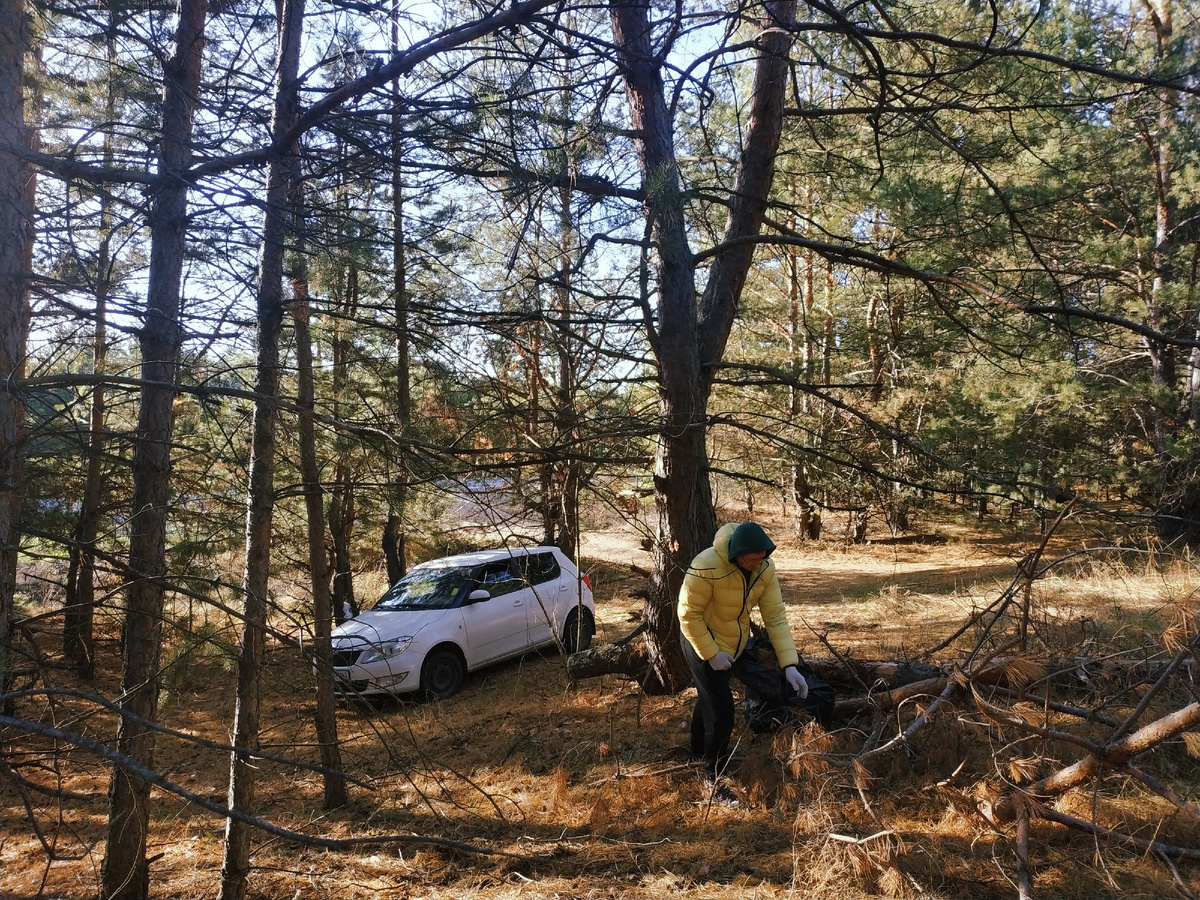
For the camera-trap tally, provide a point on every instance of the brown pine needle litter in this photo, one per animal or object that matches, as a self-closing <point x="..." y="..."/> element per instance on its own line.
<point x="585" y="790"/>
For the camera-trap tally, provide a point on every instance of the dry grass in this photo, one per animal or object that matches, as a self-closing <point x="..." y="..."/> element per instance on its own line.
<point x="583" y="789"/>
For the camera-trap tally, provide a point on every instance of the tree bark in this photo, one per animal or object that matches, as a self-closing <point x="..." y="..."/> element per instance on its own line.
<point x="341" y="504"/>
<point x="260" y="503"/>
<point x="689" y="344"/>
<point x="16" y="247"/>
<point x="395" y="545"/>
<point x="566" y="412"/>
<point x="341" y="530"/>
<point x="318" y="559"/>
<point x="125" y="872"/>
<point x="683" y="498"/>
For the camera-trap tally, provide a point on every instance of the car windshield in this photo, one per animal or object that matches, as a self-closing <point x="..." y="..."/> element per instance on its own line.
<point x="426" y="587"/>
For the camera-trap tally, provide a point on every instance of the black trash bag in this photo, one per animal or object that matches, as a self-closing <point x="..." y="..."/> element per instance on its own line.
<point x="770" y="701"/>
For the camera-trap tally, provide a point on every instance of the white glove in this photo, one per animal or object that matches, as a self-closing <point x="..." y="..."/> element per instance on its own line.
<point x="796" y="680"/>
<point x="721" y="661"/>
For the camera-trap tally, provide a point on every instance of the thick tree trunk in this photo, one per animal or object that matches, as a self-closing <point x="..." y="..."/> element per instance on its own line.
<point x="394" y="545"/>
<point x="16" y="245"/>
<point x="689" y="345"/>
<point x="1172" y="411"/>
<point x="260" y="502"/>
<point x="686" y="520"/>
<point x="125" y="872"/>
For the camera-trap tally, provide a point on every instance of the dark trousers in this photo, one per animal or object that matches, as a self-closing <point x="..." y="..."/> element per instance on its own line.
<point x="712" y="717"/>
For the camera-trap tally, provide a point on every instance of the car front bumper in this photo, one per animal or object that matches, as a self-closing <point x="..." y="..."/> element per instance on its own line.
<point x="387" y="676"/>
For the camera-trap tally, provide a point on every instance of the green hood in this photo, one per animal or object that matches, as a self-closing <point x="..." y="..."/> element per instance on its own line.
<point x="749" y="537"/>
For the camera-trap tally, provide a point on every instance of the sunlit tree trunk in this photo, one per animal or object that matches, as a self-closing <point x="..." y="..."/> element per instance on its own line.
<point x="125" y="872"/>
<point x="260" y="501"/>
<point x="690" y="343"/>
<point x="1162" y="356"/>
<point x="1172" y="408"/>
<point x="318" y="558"/>
<point x="802" y="350"/>
<point x="530" y="350"/>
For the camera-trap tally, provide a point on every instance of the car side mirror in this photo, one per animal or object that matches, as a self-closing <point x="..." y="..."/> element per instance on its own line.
<point x="478" y="594"/>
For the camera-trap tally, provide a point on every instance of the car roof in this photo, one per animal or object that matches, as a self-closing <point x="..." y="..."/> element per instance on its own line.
<point x="486" y="556"/>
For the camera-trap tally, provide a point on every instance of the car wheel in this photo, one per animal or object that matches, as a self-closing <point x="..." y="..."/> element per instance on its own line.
<point x="442" y="674"/>
<point x="579" y="629"/>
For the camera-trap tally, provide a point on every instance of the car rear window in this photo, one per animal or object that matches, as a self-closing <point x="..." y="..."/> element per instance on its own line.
<point x="540" y="567"/>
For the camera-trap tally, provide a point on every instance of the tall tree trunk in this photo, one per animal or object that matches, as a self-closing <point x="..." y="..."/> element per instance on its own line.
<point x="16" y="247"/>
<point x="539" y="413"/>
<point x="395" y="546"/>
<point x="125" y="872"/>
<point x="874" y="349"/>
<point x="566" y="412"/>
<point x="802" y="349"/>
<point x="683" y="498"/>
<point x="341" y="503"/>
<point x="79" y="616"/>
<point x="1173" y="406"/>
<point x="1162" y="355"/>
<point x="688" y="346"/>
<point x="260" y="501"/>
<point x="325" y="720"/>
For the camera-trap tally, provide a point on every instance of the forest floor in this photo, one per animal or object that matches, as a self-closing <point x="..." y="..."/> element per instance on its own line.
<point x="583" y="789"/>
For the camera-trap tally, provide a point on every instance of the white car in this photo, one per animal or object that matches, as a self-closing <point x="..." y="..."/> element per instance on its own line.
<point x="450" y="616"/>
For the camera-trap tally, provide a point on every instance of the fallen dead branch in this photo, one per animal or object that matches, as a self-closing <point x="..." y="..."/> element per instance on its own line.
<point x="1109" y="757"/>
<point x="925" y="715"/>
<point x="1111" y="834"/>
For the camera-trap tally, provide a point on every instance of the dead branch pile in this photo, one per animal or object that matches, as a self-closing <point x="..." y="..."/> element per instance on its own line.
<point x="1052" y="729"/>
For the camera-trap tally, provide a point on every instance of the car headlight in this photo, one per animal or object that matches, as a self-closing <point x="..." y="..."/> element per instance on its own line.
<point x="377" y="652"/>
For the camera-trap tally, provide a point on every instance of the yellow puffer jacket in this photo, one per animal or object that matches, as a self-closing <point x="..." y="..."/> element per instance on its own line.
<point x="716" y="599"/>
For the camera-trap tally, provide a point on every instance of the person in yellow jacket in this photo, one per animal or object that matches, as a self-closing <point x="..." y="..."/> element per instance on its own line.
<point x="722" y="585"/>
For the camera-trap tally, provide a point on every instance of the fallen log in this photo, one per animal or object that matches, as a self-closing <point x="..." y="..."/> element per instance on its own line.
<point x="885" y="700"/>
<point x="625" y="657"/>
